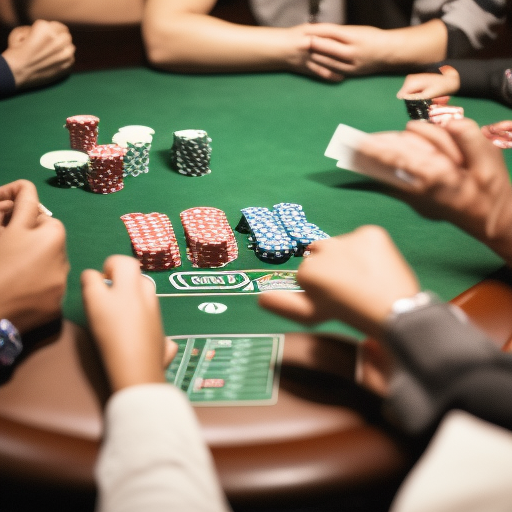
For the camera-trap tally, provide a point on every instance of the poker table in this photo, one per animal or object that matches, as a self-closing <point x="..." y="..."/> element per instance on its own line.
<point x="269" y="133"/>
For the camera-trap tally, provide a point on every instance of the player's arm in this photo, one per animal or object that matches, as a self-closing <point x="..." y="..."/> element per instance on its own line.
<point x="33" y="261"/>
<point x="359" y="50"/>
<point x="460" y="176"/>
<point x="40" y="53"/>
<point x="182" y="36"/>
<point x="353" y="278"/>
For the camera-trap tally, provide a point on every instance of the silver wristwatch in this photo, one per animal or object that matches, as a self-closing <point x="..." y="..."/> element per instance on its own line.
<point x="10" y="343"/>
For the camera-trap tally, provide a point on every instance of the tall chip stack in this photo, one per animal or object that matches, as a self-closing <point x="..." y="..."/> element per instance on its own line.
<point x="83" y="132"/>
<point x="105" y="172"/>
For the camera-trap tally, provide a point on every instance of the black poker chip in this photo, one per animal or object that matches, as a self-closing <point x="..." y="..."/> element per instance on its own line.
<point x="190" y="152"/>
<point x="71" y="173"/>
<point x="418" y="109"/>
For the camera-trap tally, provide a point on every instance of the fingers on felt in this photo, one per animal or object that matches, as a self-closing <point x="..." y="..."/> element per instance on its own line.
<point x="292" y="305"/>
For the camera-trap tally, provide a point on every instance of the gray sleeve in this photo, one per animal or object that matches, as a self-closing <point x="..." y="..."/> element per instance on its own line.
<point x="154" y="458"/>
<point x="443" y="362"/>
<point x="471" y="24"/>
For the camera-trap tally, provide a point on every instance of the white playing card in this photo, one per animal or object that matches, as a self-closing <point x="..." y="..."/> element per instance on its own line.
<point x="344" y="146"/>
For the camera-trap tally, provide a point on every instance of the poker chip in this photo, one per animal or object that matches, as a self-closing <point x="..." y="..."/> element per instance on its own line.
<point x="297" y="227"/>
<point x="268" y="238"/>
<point x="71" y="173"/>
<point x="137" y="143"/>
<point x="190" y="152"/>
<point x="435" y="111"/>
<point x="105" y="171"/>
<point x="277" y="235"/>
<point x="418" y="108"/>
<point x="441" y="114"/>
<point x="83" y="132"/>
<point x="153" y="240"/>
<point x="137" y="129"/>
<point x="210" y="240"/>
<point x="48" y="160"/>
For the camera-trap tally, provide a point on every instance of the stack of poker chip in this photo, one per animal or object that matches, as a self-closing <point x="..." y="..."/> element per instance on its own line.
<point x="269" y="239"/>
<point x="440" y="113"/>
<point x="210" y="240"/>
<point x="71" y="173"/>
<point x="153" y="240"/>
<point x="137" y="142"/>
<point x="105" y="172"/>
<point x="190" y="152"/>
<point x="418" y="109"/>
<point x="296" y="225"/>
<point x="83" y="132"/>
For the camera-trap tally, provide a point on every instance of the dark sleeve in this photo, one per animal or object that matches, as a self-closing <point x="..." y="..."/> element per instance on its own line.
<point x="7" y="84"/>
<point x="481" y="78"/>
<point x="444" y="363"/>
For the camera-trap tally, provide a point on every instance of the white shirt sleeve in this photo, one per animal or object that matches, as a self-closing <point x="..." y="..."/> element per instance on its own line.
<point x="466" y="468"/>
<point x="154" y="458"/>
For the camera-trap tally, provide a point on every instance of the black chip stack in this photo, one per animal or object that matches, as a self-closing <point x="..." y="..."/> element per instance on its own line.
<point x="71" y="174"/>
<point x="190" y="152"/>
<point x="418" y="109"/>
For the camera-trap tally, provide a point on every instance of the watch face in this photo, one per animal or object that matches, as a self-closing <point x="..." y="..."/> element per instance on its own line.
<point x="10" y="343"/>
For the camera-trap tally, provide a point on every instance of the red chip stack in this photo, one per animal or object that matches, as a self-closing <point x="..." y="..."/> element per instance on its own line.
<point x="83" y="132"/>
<point x="105" y="173"/>
<point x="153" y="240"/>
<point x="210" y="239"/>
<point x="440" y="113"/>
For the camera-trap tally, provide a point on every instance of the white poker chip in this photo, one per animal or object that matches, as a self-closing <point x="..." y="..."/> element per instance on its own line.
<point x="137" y="128"/>
<point x="48" y="160"/>
<point x="123" y="138"/>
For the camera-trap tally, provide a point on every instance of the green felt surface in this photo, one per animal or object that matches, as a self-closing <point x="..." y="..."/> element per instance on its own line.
<point x="269" y="134"/>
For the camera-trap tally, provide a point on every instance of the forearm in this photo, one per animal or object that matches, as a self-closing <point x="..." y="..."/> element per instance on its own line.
<point x="417" y="45"/>
<point x="153" y="457"/>
<point x="443" y="363"/>
<point x="188" y="42"/>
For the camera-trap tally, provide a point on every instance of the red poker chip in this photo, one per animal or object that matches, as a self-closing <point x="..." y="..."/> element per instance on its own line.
<point x="153" y="240"/>
<point x="210" y="239"/>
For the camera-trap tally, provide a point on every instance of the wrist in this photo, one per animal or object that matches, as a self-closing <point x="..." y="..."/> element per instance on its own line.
<point x="418" y="301"/>
<point x="10" y="343"/>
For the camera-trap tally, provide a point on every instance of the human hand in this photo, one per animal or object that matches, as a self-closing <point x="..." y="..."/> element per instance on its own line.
<point x="298" y="56"/>
<point x="499" y="133"/>
<point x="459" y="176"/>
<point x="430" y="85"/>
<point x="126" y="324"/>
<point x="346" y="49"/>
<point x="33" y="261"/>
<point x="353" y="278"/>
<point x="40" y="53"/>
